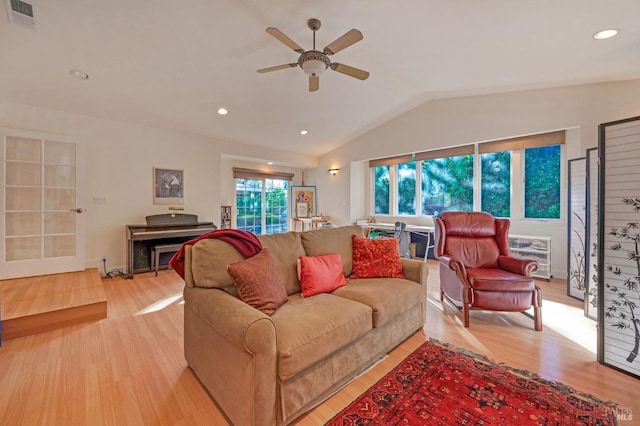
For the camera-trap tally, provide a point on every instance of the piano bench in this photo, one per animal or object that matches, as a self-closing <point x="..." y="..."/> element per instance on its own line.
<point x="157" y="250"/>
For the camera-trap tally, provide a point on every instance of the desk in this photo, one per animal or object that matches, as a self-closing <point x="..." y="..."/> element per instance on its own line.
<point x="310" y="222"/>
<point x="422" y="230"/>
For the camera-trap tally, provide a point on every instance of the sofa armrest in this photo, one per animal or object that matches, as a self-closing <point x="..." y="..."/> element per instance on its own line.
<point x="188" y="272"/>
<point x="231" y="318"/>
<point x="231" y="347"/>
<point x="518" y="266"/>
<point x="415" y="270"/>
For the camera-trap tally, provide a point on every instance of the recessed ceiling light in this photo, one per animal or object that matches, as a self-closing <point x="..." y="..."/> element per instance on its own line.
<point x="601" y="35"/>
<point x="222" y="111"/>
<point x="303" y="132"/>
<point x="80" y="75"/>
<point x="270" y="163"/>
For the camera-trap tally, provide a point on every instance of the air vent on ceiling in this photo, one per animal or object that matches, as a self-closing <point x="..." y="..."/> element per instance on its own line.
<point x="21" y="13"/>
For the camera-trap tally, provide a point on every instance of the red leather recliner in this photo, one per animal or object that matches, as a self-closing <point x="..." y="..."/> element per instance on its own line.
<point x="476" y="267"/>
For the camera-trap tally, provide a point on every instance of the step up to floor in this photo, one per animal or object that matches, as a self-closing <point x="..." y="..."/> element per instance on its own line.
<point x="37" y="304"/>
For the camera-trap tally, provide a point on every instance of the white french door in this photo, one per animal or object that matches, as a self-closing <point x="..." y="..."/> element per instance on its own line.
<point x="41" y="204"/>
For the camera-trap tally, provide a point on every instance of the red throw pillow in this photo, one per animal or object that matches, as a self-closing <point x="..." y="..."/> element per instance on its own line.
<point x="258" y="282"/>
<point x="320" y="274"/>
<point x="376" y="258"/>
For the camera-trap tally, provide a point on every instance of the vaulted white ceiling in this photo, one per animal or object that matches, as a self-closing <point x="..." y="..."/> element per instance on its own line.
<point x="171" y="64"/>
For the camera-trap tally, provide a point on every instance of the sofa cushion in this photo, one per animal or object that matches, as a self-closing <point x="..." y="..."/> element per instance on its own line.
<point x="387" y="297"/>
<point x="311" y="328"/>
<point x="286" y="249"/>
<point x="377" y="258"/>
<point x="320" y="274"/>
<point x="258" y="282"/>
<point x="332" y="240"/>
<point x="209" y="259"/>
<point x="487" y="279"/>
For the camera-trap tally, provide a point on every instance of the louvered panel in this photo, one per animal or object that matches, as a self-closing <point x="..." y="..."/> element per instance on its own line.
<point x="590" y="307"/>
<point x="619" y="246"/>
<point x="576" y="281"/>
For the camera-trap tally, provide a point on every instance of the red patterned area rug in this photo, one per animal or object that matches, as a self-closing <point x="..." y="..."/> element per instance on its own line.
<point x="440" y="384"/>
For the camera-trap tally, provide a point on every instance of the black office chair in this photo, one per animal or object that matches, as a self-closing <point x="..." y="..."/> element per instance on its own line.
<point x="398" y="232"/>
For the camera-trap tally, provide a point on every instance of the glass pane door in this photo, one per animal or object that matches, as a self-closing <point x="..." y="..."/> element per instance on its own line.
<point x="262" y="205"/>
<point x="39" y="207"/>
<point x="249" y="205"/>
<point x="277" y="218"/>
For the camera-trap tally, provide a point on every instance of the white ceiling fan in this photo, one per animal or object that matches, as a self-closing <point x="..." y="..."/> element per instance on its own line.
<point x="314" y="62"/>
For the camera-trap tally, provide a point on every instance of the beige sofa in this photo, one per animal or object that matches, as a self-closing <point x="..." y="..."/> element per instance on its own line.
<point x="265" y="370"/>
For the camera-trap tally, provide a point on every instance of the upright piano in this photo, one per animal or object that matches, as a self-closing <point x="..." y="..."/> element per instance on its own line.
<point x="160" y="229"/>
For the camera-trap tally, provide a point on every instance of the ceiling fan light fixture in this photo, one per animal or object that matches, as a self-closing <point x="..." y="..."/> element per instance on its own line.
<point x="313" y="63"/>
<point x="314" y="67"/>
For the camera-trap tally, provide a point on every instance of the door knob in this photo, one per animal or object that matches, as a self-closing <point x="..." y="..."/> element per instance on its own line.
<point x="78" y="210"/>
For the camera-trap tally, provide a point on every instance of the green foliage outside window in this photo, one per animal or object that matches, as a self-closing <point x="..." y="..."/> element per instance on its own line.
<point x="407" y="188"/>
<point x="542" y="182"/>
<point x="249" y="195"/>
<point x="496" y="183"/>
<point x="447" y="184"/>
<point x="381" y="190"/>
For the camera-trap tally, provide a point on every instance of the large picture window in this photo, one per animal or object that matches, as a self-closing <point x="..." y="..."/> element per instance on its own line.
<point x="407" y="188"/>
<point x="542" y="182"/>
<point x="495" y="195"/>
<point x="381" y="187"/>
<point x="447" y="184"/>
<point x="430" y="182"/>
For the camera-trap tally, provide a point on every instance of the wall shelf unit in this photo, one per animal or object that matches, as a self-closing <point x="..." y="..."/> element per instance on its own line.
<point x="225" y="217"/>
<point x="533" y="247"/>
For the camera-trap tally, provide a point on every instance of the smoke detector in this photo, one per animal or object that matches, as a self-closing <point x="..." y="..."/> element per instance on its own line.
<point x="21" y="13"/>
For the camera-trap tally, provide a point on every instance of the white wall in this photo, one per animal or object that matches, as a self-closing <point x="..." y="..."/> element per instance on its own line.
<point x="458" y="121"/>
<point x="119" y="163"/>
<point x="120" y="156"/>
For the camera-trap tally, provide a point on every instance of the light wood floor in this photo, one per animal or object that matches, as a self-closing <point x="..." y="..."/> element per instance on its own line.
<point x="129" y="368"/>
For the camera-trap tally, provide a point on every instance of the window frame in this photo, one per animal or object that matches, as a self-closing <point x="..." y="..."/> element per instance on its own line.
<point x="264" y="176"/>
<point x="563" y="191"/>
<point x="517" y="148"/>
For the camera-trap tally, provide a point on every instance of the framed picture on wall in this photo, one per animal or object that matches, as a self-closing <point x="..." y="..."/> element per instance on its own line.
<point x="168" y="186"/>
<point x="302" y="209"/>
<point x="303" y="198"/>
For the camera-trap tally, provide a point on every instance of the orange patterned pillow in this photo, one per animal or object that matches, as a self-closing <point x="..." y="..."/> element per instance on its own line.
<point x="258" y="282"/>
<point x="377" y="258"/>
<point x="320" y="274"/>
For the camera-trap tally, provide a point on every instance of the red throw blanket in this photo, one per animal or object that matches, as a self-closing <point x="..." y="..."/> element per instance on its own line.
<point x="243" y="241"/>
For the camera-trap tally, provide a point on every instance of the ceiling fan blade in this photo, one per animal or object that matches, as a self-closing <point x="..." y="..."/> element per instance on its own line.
<point x="346" y="40"/>
<point x="350" y="71"/>
<point x="280" y="36"/>
<point x="278" y="67"/>
<point x="314" y="83"/>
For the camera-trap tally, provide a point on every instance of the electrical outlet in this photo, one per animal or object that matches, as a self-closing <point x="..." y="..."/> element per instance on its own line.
<point x="104" y="259"/>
